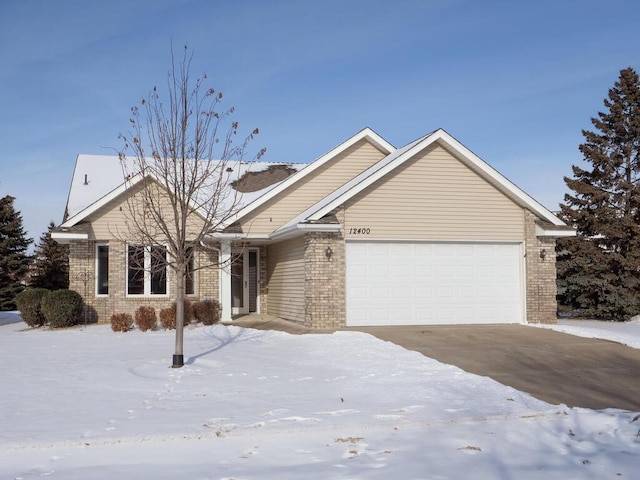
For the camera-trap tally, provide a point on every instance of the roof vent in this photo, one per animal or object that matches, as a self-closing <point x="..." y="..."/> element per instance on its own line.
<point x="229" y="169"/>
<point x="86" y="179"/>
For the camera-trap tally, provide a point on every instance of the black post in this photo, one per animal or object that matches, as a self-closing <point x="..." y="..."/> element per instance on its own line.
<point x="178" y="361"/>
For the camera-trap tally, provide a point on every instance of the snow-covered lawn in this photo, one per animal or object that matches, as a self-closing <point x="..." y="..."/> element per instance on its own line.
<point x="86" y="403"/>
<point x="627" y="333"/>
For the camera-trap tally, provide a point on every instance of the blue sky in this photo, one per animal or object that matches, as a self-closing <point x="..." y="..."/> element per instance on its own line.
<point x="514" y="81"/>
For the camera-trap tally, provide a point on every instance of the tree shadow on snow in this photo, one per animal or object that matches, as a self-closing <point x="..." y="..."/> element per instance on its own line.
<point x="225" y="336"/>
<point x="10" y="317"/>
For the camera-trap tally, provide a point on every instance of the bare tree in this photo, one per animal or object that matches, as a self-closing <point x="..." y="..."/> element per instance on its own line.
<point x="177" y="159"/>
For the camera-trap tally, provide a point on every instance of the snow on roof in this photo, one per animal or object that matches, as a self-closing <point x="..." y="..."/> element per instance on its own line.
<point x="98" y="179"/>
<point x="366" y="133"/>
<point x="97" y="176"/>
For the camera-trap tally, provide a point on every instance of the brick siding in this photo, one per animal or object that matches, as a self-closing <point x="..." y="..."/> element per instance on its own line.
<point x="324" y="280"/>
<point x="541" y="274"/>
<point x="99" y="308"/>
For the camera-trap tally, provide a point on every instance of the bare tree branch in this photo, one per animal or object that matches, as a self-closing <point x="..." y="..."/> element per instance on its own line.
<point x="178" y="158"/>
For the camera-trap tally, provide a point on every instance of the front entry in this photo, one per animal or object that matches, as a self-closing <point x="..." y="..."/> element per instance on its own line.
<point x="244" y="281"/>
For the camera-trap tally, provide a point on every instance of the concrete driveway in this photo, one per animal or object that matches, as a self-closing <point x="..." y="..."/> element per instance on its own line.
<point x="552" y="366"/>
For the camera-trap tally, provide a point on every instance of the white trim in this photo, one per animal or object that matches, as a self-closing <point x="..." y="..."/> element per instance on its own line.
<point x="115" y="193"/>
<point x="365" y="133"/>
<point x="95" y="206"/>
<point x="66" y="237"/>
<point x="382" y="168"/>
<point x="227" y="237"/>
<point x="542" y="231"/>
<point x="433" y="240"/>
<point x="300" y="228"/>
<point x="501" y="180"/>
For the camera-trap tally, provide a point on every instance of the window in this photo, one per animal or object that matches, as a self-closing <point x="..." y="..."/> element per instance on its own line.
<point x="158" y="271"/>
<point x="102" y="270"/>
<point x="189" y="284"/>
<point x="146" y="270"/>
<point x="135" y="270"/>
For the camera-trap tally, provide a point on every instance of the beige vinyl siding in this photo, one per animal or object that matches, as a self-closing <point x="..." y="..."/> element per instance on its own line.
<point x="285" y="276"/>
<point x="436" y="197"/>
<point x="110" y="221"/>
<point x="312" y="188"/>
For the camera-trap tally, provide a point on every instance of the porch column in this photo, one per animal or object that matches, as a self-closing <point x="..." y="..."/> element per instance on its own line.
<point x="225" y="280"/>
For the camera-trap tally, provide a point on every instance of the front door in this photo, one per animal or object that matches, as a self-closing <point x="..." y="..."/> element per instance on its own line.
<point x="244" y="282"/>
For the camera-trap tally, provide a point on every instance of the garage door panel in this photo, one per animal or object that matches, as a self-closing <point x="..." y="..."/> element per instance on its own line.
<point x="380" y="292"/>
<point x="400" y="283"/>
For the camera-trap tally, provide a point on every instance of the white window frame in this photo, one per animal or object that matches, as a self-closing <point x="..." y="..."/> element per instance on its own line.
<point x="147" y="273"/>
<point x="97" y="269"/>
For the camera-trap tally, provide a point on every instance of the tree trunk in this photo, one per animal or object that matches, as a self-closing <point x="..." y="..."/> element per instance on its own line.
<point x="178" y="357"/>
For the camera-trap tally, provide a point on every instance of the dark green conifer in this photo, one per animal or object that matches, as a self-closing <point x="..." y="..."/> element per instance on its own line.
<point x="599" y="270"/>
<point x="51" y="263"/>
<point x="14" y="261"/>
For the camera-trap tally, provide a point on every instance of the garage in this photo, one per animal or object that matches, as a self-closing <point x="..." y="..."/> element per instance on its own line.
<point x="430" y="283"/>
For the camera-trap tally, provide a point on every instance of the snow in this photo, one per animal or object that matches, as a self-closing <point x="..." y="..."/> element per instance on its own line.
<point x="89" y="403"/>
<point x="104" y="174"/>
<point x="627" y="333"/>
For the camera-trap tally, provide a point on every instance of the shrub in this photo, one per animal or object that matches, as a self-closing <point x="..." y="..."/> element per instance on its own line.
<point x="62" y="308"/>
<point x="29" y="303"/>
<point x="207" y="311"/>
<point x="168" y="318"/>
<point x="121" y="322"/>
<point x="146" y="318"/>
<point x="168" y="315"/>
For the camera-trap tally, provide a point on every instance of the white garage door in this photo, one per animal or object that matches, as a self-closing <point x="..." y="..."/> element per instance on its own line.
<point x="404" y="283"/>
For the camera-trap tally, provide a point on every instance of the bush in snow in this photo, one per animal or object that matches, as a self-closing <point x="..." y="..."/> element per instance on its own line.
<point x="207" y="311"/>
<point x="146" y="318"/>
<point x="168" y="318"/>
<point x="62" y="308"/>
<point x="29" y="303"/>
<point x="168" y="315"/>
<point x="121" y="322"/>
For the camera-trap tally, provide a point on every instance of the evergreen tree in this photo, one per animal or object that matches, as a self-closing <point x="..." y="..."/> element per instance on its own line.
<point x="14" y="261"/>
<point x="51" y="263"/>
<point x="599" y="270"/>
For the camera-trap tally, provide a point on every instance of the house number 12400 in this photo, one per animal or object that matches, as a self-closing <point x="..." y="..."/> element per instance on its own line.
<point x="359" y="231"/>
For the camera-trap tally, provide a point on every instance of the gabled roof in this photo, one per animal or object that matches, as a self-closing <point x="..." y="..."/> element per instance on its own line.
<point x="364" y="134"/>
<point x="99" y="179"/>
<point x="400" y="156"/>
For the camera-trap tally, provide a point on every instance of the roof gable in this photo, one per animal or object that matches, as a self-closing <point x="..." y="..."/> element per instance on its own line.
<point x="99" y="179"/>
<point x="365" y="134"/>
<point x="402" y="155"/>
